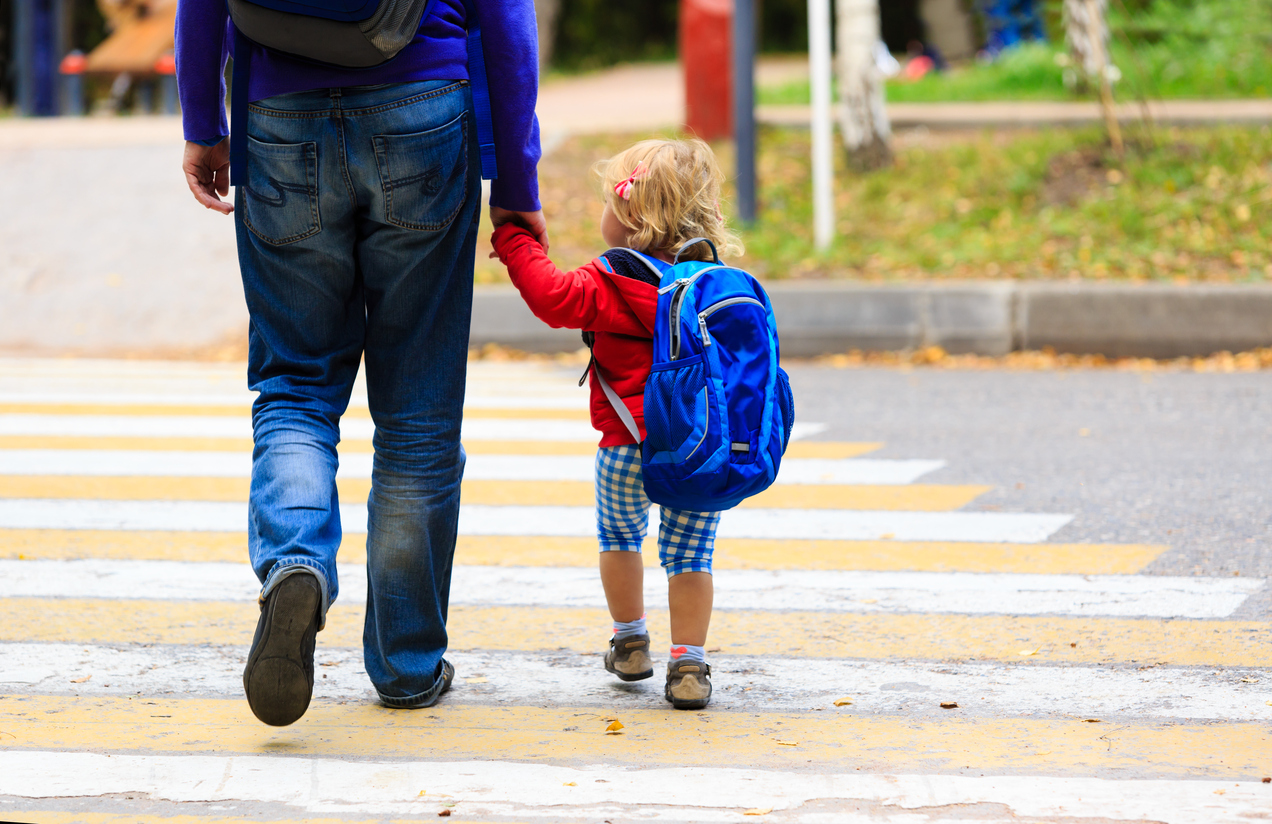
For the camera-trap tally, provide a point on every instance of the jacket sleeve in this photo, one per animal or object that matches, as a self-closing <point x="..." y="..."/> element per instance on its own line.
<point x="585" y="298"/>
<point x="510" y="40"/>
<point x="201" y="52"/>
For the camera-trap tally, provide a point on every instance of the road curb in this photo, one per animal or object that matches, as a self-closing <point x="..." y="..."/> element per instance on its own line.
<point x="816" y="318"/>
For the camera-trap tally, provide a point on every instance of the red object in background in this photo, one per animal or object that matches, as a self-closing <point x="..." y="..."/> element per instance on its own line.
<point x="706" y="57"/>
<point x="166" y="64"/>
<point x="73" y="63"/>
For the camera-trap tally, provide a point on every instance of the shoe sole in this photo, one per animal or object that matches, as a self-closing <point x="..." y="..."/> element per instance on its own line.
<point x="629" y="676"/>
<point x="277" y="686"/>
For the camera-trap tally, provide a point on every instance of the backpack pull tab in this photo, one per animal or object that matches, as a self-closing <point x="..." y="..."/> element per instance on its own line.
<point x="702" y="327"/>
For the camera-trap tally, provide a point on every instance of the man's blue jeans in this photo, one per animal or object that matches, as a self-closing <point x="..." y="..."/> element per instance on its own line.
<point x="356" y="234"/>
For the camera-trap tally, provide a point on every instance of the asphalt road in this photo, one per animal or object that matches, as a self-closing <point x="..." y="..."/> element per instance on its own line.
<point x="1175" y="458"/>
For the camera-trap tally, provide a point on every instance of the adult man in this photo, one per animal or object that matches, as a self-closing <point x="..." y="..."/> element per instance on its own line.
<point x="356" y="226"/>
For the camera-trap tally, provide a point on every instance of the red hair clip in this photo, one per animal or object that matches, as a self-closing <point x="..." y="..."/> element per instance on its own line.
<point x="624" y="187"/>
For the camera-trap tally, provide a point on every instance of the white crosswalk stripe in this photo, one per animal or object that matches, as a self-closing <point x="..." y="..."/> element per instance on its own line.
<point x="559" y="521"/>
<point x="535" y="678"/>
<point x="509" y="789"/>
<point x="827" y="590"/>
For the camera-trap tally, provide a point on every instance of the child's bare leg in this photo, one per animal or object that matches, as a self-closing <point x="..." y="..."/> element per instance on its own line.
<point x="623" y="576"/>
<point x="689" y="596"/>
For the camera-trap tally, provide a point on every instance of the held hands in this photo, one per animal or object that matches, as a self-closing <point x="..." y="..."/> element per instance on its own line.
<point x="207" y="172"/>
<point x="532" y="222"/>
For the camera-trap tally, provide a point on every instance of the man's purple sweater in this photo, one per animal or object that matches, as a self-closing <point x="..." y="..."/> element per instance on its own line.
<point x="438" y="52"/>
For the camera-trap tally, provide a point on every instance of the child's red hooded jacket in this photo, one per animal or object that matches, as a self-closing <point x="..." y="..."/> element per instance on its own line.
<point x="619" y="308"/>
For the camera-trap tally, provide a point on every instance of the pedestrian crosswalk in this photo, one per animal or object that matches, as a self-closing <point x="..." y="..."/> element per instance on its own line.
<point x="881" y="651"/>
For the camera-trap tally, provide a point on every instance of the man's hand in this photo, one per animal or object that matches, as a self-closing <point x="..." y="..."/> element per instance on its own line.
<point x="207" y="171"/>
<point x="532" y="222"/>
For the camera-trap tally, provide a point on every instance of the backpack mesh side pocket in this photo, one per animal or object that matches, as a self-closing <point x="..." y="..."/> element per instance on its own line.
<point x="786" y="400"/>
<point x="679" y="400"/>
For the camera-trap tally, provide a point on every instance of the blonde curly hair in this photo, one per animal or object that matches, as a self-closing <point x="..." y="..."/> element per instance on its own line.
<point x="676" y="197"/>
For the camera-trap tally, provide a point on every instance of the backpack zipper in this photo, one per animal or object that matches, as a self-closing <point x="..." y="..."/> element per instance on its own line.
<point x="681" y="285"/>
<point x="715" y="307"/>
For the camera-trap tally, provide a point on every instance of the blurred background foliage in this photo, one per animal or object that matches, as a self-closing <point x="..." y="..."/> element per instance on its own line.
<point x="592" y="34"/>
<point x="1202" y="49"/>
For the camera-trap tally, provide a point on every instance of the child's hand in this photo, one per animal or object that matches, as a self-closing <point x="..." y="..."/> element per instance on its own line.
<point x="532" y="222"/>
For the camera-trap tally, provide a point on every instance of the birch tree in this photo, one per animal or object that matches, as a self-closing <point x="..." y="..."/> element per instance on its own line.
<point x="864" y="118"/>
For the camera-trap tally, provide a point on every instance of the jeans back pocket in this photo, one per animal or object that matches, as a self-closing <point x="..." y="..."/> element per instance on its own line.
<point x="424" y="175"/>
<point x="280" y="201"/>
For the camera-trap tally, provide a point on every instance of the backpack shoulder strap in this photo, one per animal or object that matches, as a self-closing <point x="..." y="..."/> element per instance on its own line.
<point x="620" y="408"/>
<point x="629" y="264"/>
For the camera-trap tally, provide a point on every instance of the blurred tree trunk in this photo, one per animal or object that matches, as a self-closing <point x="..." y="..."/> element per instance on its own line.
<point x="864" y="119"/>
<point x="545" y="14"/>
<point x="1086" y="30"/>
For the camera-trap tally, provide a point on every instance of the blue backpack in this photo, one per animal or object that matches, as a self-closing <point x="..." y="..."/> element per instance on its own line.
<point x="352" y="34"/>
<point x="718" y="408"/>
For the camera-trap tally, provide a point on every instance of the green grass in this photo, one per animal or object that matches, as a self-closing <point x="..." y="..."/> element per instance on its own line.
<point x="1171" y="49"/>
<point x="1189" y="205"/>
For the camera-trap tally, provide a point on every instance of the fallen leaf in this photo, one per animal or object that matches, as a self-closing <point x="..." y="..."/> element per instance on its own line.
<point x="786" y="743"/>
<point x="1074" y="644"/>
<point x="1033" y="651"/>
<point x="1090" y="721"/>
<point x="80" y="680"/>
<point x="569" y="784"/>
<point x="1220" y="792"/>
<point x="758" y="811"/>
<point x="843" y="702"/>
<point x="444" y="813"/>
<point x="476" y="680"/>
<point x="422" y="792"/>
<point x="614" y="728"/>
<point x="888" y="536"/>
<point x="1267" y="780"/>
<point x="1249" y="680"/>
<point x="1270" y="703"/>
<point x="949" y="705"/>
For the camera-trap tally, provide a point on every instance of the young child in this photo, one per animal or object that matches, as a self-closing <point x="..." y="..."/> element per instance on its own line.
<point x="658" y="195"/>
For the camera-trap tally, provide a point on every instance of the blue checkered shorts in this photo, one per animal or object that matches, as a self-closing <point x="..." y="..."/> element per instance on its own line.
<point x="686" y="539"/>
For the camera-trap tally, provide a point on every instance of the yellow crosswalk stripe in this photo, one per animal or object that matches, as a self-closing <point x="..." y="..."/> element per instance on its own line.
<point x="36" y="816"/>
<point x="452" y="730"/>
<point x="237" y="411"/>
<point x="740" y="632"/>
<point x="825" y="450"/>
<point x="730" y="553"/>
<point x="913" y="497"/>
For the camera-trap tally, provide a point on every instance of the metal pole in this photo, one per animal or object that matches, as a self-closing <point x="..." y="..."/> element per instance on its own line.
<point x="744" y="105"/>
<point x="819" y="70"/>
<point x="22" y="70"/>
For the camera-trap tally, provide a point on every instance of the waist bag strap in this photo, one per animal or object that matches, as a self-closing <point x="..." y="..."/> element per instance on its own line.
<point x="238" y="109"/>
<point x="481" y="95"/>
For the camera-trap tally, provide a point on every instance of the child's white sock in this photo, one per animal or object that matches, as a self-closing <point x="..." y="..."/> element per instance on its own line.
<point x="626" y="629"/>
<point x="688" y="652"/>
